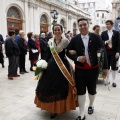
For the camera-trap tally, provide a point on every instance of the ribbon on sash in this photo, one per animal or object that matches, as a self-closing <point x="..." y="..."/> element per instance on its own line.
<point x="61" y="66"/>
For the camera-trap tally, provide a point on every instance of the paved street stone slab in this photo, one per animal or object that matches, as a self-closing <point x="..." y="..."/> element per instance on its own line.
<point x="17" y="99"/>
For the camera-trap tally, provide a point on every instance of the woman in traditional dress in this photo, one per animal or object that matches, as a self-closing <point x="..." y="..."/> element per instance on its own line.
<point x="54" y="93"/>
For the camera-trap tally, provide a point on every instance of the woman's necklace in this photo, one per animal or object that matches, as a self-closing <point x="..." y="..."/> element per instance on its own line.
<point x="57" y="42"/>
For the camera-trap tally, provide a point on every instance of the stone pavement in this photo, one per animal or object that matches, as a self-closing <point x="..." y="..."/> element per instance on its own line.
<point x="17" y="100"/>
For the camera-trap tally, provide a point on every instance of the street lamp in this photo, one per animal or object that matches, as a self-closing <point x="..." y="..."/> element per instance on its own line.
<point x="54" y="15"/>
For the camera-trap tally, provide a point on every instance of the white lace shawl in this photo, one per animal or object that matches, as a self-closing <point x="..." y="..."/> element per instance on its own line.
<point x="61" y="45"/>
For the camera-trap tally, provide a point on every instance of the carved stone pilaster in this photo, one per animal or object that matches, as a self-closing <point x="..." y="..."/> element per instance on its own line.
<point x="69" y="17"/>
<point x="35" y="6"/>
<point x="30" y="5"/>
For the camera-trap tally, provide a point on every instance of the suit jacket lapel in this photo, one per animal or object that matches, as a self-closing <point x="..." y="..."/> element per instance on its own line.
<point x="90" y="40"/>
<point x="80" y="40"/>
<point x="113" y="34"/>
<point x="107" y="36"/>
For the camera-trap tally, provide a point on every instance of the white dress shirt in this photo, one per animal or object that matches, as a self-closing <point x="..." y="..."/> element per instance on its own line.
<point x="110" y="33"/>
<point x="85" y="39"/>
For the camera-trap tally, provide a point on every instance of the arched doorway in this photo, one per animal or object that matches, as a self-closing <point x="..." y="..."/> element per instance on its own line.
<point x="74" y="28"/>
<point x="43" y="24"/>
<point x="14" y="21"/>
<point x="62" y="22"/>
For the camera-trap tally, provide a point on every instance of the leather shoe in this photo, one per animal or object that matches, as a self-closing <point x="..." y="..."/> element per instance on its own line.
<point x="10" y="77"/>
<point x="3" y="66"/>
<point x="52" y="116"/>
<point x="25" y="71"/>
<point x="21" y="72"/>
<point x="16" y="75"/>
<point x="79" y="118"/>
<point x="31" y="69"/>
<point x="90" y="110"/>
<point x="114" y="84"/>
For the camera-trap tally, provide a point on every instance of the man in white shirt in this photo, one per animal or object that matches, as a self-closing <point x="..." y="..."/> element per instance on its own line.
<point x="86" y="46"/>
<point x="111" y="40"/>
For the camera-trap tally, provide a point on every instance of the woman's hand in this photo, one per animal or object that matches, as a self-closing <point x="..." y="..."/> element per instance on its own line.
<point x="72" y="52"/>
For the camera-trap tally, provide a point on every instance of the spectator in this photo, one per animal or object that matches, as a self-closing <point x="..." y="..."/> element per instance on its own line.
<point x="33" y="50"/>
<point x="96" y="29"/>
<point x="44" y="47"/>
<point x="23" y="51"/>
<point x="49" y="36"/>
<point x="12" y="52"/>
<point x="36" y="38"/>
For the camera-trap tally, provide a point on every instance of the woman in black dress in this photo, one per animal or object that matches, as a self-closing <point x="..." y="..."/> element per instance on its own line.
<point x="53" y="92"/>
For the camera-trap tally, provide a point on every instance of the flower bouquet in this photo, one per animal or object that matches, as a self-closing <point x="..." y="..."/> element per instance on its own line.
<point x="39" y="67"/>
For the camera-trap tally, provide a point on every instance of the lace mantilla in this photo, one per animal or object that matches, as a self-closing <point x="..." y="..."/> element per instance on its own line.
<point x="60" y="46"/>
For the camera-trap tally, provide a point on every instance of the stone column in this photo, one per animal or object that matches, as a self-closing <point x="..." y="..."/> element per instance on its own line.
<point x="114" y="9"/>
<point x="30" y="19"/>
<point x="25" y="22"/>
<point x="36" y="20"/>
<point x="3" y="19"/>
<point x="69" y="25"/>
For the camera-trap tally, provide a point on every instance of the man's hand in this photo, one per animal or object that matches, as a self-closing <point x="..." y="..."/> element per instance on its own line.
<point x="72" y="52"/>
<point x="108" y="41"/>
<point x="117" y="55"/>
<point x="81" y="59"/>
<point x="104" y="73"/>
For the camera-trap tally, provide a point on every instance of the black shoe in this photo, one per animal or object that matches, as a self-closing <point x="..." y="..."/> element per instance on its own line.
<point x="3" y="66"/>
<point x="114" y="84"/>
<point x="52" y="116"/>
<point x="90" y="110"/>
<point x="31" y="69"/>
<point x="79" y="118"/>
<point x="25" y="71"/>
<point x="118" y="71"/>
<point x="21" y="72"/>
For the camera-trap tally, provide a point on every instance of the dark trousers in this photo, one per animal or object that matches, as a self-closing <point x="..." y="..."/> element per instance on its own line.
<point x="111" y="59"/>
<point x="1" y="58"/>
<point x="13" y="65"/>
<point x="86" y="78"/>
<point x="22" y="62"/>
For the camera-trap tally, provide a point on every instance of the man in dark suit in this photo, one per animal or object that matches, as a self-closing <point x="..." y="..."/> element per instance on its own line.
<point x="86" y="45"/>
<point x="12" y="52"/>
<point x="23" y="51"/>
<point x="111" y="39"/>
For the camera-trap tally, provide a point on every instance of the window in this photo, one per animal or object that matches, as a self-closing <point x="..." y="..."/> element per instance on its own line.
<point x="43" y="19"/>
<point x="13" y="13"/>
<point x="91" y="4"/>
<point x="97" y="14"/>
<point x="102" y="15"/>
<point x="76" y="3"/>
<point x="62" y="22"/>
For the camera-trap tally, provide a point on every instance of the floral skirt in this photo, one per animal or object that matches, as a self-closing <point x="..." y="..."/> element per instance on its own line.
<point x="60" y="106"/>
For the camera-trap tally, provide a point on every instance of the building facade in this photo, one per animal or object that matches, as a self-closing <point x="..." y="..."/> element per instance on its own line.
<point x="89" y="6"/>
<point x="101" y="16"/>
<point x="115" y="9"/>
<point x="34" y="15"/>
<point x="100" y="11"/>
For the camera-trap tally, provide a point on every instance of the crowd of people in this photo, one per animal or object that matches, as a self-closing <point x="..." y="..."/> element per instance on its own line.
<point x="54" y="91"/>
